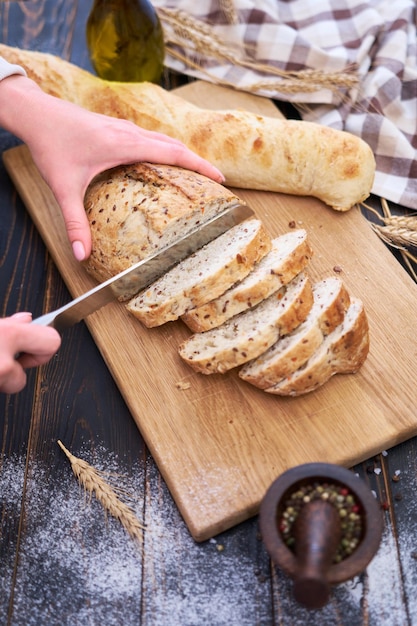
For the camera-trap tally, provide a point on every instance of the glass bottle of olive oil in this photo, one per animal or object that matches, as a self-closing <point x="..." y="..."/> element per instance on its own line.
<point x="125" y="40"/>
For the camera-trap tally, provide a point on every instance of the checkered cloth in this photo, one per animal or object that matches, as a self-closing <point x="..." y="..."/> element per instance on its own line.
<point x="376" y="37"/>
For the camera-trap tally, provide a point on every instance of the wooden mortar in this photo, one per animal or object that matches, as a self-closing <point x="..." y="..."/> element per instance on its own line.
<point x="317" y="531"/>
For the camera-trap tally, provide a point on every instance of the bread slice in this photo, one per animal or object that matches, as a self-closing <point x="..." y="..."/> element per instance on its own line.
<point x="331" y="301"/>
<point x="343" y="351"/>
<point x="247" y="335"/>
<point x="289" y="255"/>
<point x="134" y="210"/>
<point x="204" y="275"/>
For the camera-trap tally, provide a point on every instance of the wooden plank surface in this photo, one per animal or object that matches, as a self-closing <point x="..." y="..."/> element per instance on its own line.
<point x="220" y="443"/>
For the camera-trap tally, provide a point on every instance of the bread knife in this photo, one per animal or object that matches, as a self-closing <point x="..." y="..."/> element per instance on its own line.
<point x="129" y="282"/>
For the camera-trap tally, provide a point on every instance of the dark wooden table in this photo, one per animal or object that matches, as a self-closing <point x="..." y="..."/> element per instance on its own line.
<point x="62" y="561"/>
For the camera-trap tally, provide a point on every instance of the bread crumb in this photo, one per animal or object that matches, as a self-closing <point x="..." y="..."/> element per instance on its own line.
<point x="182" y="385"/>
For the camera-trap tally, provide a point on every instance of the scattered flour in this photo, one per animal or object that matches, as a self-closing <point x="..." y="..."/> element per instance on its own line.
<point x="76" y="566"/>
<point x="189" y="584"/>
<point x="79" y="567"/>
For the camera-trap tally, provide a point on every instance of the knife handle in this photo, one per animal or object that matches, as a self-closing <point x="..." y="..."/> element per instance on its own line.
<point x="48" y="319"/>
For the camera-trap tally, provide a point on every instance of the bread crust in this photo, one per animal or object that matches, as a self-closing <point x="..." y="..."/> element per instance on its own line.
<point x="134" y="210"/>
<point x="289" y="255"/>
<point x="289" y="353"/>
<point x="247" y="335"/>
<point x="343" y="351"/>
<point x="253" y="151"/>
<point x="202" y="276"/>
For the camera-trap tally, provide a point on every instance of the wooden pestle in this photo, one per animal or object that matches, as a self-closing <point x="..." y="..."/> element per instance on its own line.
<point x="317" y="532"/>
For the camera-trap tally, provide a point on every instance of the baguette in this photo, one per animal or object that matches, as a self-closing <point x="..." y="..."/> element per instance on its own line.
<point x="252" y="151"/>
<point x="134" y="210"/>
<point x="343" y="351"/>
<point x="289" y="255"/>
<point x="289" y="353"/>
<point x="204" y="275"/>
<point x="247" y="335"/>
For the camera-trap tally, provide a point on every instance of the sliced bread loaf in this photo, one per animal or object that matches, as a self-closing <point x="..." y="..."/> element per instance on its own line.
<point x="247" y="335"/>
<point x="343" y="351"/>
<point x="331" y="300"/>
<point x="204" y="275"/>
<point x="135" y="210"/>
<point x="289" y="255"/>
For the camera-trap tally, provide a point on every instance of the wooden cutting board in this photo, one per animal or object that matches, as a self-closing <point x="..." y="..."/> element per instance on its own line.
<point x="220" y="443"/>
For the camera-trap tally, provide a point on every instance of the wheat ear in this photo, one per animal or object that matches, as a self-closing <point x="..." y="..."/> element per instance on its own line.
<point x="92" y="481"/>
<point x="399" y="231"/>
<point x="198" y="37"/>
<point x="229" y="11"/>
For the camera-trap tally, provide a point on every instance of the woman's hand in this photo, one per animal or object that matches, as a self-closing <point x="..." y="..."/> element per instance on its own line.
<point x="71" y="145"/>
<point x="90" y="144"/>
<point x="36" y="345"/>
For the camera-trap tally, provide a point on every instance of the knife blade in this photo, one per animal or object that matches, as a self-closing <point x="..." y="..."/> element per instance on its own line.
<point x="132" y="280"/>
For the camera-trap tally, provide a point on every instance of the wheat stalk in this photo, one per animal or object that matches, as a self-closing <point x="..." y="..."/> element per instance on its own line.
<point x="229" y="11"/>
<point x="93" y="482"/>
<point x="405" y="222"/>
<point x="398" y="231"/>
<point x="197" y="37"/>
<point x="289" y="86"/>
<point x="397" y="235"/>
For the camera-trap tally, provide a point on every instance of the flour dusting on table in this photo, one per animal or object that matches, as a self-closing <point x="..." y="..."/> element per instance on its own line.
<point x="95" y="571"/>
<point x="97" y="575"/>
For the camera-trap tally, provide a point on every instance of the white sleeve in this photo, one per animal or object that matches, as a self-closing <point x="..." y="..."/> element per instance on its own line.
<point x="8" y="69"/>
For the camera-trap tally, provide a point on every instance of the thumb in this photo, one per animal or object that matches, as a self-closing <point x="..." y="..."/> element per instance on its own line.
<point x="22" y="316"/>
<point x="77" y="225"/>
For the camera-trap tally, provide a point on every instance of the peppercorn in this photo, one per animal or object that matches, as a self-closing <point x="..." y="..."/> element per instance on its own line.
<point x="348" y="508"/>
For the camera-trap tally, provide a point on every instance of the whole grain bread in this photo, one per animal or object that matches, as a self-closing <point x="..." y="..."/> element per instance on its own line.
<point x="289" y="255"/>
<point x="289" y="353"/>
<point x="252" y="151"/>
<point x="343" y="351"/>
<point x="249" y="334"/>
<point x="134" y="210"/>
<point x="204" y="275"/>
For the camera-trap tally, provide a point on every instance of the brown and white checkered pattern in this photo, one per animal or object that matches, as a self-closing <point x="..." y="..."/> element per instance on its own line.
<point x="378" y="36"/>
